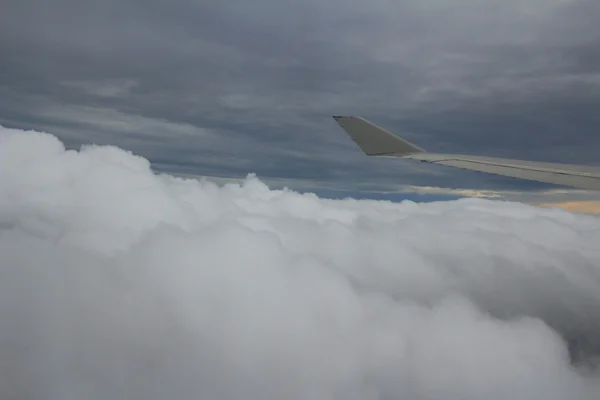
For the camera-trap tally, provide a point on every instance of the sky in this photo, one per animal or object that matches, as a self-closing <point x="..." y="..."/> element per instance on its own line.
<point x="180" y="216"/>
<point x="120" y="283"/>
<point x="225" y="89"/>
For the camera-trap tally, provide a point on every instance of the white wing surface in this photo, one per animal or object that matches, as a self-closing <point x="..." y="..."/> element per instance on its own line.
<point x="376" y="141"/>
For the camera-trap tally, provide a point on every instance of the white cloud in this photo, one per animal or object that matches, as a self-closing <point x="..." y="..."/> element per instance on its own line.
<point x="118" y="283"/>
<point x="571" y="199"/>
<point x="115" y="121"/>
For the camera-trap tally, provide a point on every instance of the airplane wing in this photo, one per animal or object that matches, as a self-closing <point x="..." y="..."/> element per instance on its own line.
<point x="376" y="141"/>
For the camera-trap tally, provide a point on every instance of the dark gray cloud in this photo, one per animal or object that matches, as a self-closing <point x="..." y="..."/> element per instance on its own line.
<point x="226" y="89"/>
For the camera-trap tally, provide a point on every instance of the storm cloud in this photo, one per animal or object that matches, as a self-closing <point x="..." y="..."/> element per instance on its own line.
<point x="224" y="89"/>
<point x="116" y="282"/>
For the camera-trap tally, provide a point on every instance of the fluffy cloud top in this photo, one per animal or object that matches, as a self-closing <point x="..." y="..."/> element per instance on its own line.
<point x="117" y="283"/>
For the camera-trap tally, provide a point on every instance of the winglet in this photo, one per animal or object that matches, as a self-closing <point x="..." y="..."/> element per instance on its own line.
<point x="374" y="140"/>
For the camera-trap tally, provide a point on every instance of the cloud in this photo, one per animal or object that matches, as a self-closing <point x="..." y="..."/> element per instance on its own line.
<point x="118" y="88"/>
<point x="514" y="79"/>
<point x="585" y="201"/>
<point x="461" y="192"/>
<point x="118" y="282"/>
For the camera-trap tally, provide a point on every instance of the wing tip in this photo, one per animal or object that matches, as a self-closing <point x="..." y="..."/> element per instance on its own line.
<point x="342" y="117"/>
<point x="374" y="140"/>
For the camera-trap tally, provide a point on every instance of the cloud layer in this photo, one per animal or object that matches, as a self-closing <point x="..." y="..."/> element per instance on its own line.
<point x="219" y="89"/>
<point x="119" y="283"/>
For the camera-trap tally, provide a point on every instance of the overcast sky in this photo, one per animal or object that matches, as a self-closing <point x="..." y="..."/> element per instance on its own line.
<point x="229" y="88"/>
